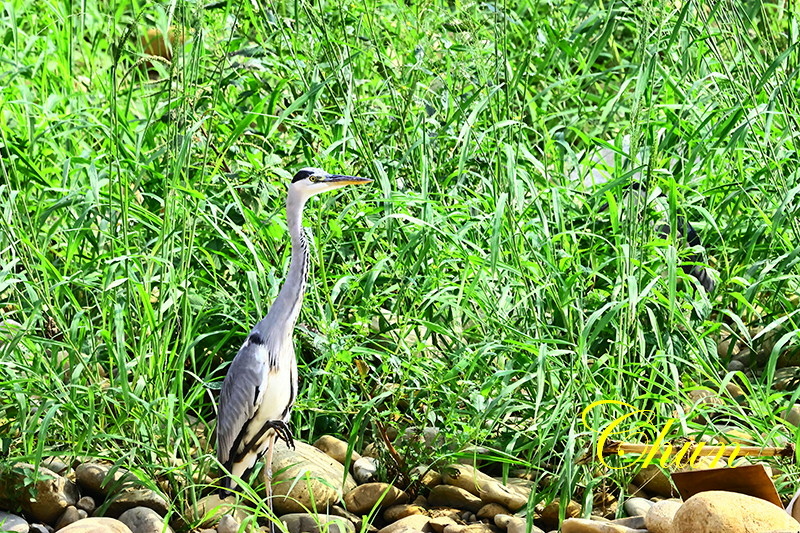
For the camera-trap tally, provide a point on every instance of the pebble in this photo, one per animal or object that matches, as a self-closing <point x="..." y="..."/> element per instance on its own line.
<point x="731" y="512"/>
<point x="637" y="506"/>
<point x="490" y="510"/>
<point x="478" y="527"/>
<point x="55" y="464"/>
<point x="209" y="510"/>
<point x="306" y="478"/>
<point x="581" y="525"/>
<point x="12" y="522"/>
<point x="361" y="525"/>
<point x="450" y="496"/>
<point x="514" y="524"/>
<point x="96" y="525"/>
<point x="70" y="515"/>
<point x="366" y="497"/>
<point x="365" y="469"/>
<point x="40" y="528"/>
<point x="551" y="512"/>
<point x="130" y="498"/>
<point x="659" y="517"/>
<point x="227" y="524"/>
<point x="415" y="522"/>
<point x="792" y="415"/>
<point x="98" y="478"/>
<point x="438" y="524"/>
<point x="396" y="512"/>
<point x="145" y="520"/>
<point x="488" y="489"/>
<point x="86" y="503"/>
<point x="314" y="523"/>
<point x="335" y="448"/>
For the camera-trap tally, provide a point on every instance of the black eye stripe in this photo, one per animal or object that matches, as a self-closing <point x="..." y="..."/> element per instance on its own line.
<point x="302" y="174"/>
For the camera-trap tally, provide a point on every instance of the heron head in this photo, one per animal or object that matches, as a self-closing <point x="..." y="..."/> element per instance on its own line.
<point x="311" y="181"/>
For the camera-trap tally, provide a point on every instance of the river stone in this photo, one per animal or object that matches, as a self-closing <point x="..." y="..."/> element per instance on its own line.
<point x="86" y="503"/>
<point x="490" y="510"/>
<point x="314" y="523"/>
<point x="53" y="493"/>
<point x="227" y="524"/>
<point x="306" y="478"/>
<point x="659" y="518"/>
<point x="366" y="497"/>
<point x="130" y="498"/>
<point x="103" y="479"/>
<point x="551" y="512"/>
<point x="514" y="524"/>
<point x="365" y="469"/>
<point x="12" y="522"/>
<point x="483" y="486"/>
<point x="396" y="512"/>
<point x="336" y="448"/>
<point x="144" y="520"/>
<point x="721" y="511"/>
<point x="439" y="523"/>
<point x="416" y="522"/>
<point x="450" y="496"/>
<point x="581" y="525"/>
<point x="210" y="509"/>
<point x="40" y="528"/>
<point x="655" y="481"/>
<point x="637" y="506"/>
<point x="70" y="515"/>
<point x="96" y="525"/>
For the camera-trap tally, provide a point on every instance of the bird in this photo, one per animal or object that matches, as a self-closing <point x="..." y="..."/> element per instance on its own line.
<point x="260" y="386"/>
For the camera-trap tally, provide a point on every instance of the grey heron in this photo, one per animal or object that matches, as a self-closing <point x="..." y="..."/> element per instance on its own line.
<point x="261" y="384"/>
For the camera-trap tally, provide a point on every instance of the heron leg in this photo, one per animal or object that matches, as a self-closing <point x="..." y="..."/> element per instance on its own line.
<point x="268" y="482"/>
<point x="282" y="430"/>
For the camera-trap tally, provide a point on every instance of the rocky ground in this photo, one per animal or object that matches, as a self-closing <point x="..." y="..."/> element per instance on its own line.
<point x="94" y="497"/>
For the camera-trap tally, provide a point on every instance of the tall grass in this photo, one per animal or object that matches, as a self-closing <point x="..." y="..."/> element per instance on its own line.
<point x="479" y="287"/>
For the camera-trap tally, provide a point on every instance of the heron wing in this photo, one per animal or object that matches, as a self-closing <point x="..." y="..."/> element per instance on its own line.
<point x="241" y="394"/>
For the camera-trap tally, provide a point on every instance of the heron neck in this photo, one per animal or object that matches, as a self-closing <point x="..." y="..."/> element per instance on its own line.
<point x="286" y="308"/>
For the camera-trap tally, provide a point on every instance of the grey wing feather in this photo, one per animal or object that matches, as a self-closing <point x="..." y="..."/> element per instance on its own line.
<point x="237" y="404"/>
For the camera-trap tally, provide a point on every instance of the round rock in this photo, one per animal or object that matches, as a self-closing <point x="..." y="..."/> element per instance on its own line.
<point x="96" y="525"/>
<point x="721" y="511"/>
<point x="227" y="524"/>
<point x="209" y="510"/>
<point x="306" y="478"/>
<point x="70" y="515"/>
<point x="314" y="523"/>
<point x="485" y="487"/>
<point x="335" y="448"/>
<point x="365" y="470"/>
<point x="637" y="506"/>
<point x="130" y="498"/>
<point x="53" y="493"/>
<point x="415" y="522"/>
<point x="144" y="520"/>
<point x="365" y="497"/>
<point x="659" y="518"/>
<point x="12" y="522"/>
<point x="450" y="496"/>
<point x="102" y="479"/>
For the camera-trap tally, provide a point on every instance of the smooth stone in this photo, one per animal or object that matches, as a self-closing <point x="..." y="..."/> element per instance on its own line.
<point x="633" y="522"/>
<point x="438" y="524"/>
<point x="335" y="448"/>
<point x="209" y="510"/>
<point x="40" y="528"/>
<point x="362" y="525"/>
<point x="450" y="496"/>
<point x="551" y="512"/>
<point x="637" y="506"/>
<point x="490" y="510"/>
<point x="87" y="504"/>
<point x="415" y="522"/>
<point x="478" y="527"/>
<point x="792" y="415"/>
<point x="55" y="464"/>
<point x="227" y="524"/>
<point x="654" y="481"/>
<point x="396" y="512"/>
<point x="53" y="493"/>
<point x="96" y="525"/>
<point x="365" y="470"/>
<point x="659" y="518"/>
<point x="485" y="487"/>
<point x="514" y="524"/>
<point x="717" y="511"/>
<point x="306" y="478"/>
<point x="314" y="523"/>
<point x="98" y="478"/>
<point x="366" y="497"/>
<point x="581" y="525"/>
<point x="70" y="515"/>
<point x="12" y="522"/>
<point x="144" y="520"/>
<point x="130" y="498"/>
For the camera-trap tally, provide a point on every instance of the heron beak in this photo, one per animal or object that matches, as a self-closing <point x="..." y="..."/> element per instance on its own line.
<point x="339" y="179"/>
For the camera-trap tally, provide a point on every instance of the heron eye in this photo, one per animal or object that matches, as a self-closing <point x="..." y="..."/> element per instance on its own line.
<point x="314" y="178"/>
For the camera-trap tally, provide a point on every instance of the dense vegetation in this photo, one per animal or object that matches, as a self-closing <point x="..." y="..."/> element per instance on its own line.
<point x="479" y="287"/>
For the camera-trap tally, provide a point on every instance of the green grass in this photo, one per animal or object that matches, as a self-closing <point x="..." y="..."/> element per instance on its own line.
<point x="485" y="289"/>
